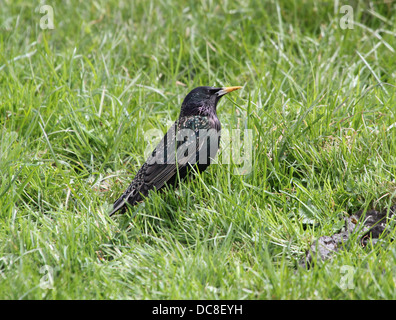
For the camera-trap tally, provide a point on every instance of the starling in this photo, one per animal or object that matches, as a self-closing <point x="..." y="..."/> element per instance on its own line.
<point x="191" y="142"/>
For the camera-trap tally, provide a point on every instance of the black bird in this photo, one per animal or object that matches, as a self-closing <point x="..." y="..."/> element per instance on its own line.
<point x="191" y="142"/>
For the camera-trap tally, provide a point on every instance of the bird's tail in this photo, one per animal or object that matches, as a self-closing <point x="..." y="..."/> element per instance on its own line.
<point x="130" y="198"/>
<point x="118" y="205"/>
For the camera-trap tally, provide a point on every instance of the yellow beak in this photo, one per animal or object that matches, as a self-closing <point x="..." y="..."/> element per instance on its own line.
<point x="226" y="90"/>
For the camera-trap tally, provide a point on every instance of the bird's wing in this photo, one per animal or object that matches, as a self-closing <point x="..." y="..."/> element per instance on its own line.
<point x="178" y="149"/>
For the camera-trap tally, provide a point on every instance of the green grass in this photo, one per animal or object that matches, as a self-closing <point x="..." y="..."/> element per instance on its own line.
<point x="77" y="102"/>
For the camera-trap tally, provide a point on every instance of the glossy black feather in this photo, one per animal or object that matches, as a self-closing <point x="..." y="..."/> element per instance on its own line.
<point x="172" y="158"/>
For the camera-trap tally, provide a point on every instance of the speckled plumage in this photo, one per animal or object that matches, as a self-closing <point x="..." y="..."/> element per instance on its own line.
<point x="192" y="141"/>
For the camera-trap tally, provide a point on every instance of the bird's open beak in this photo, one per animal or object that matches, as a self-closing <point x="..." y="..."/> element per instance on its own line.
<point x="226" y="90"/>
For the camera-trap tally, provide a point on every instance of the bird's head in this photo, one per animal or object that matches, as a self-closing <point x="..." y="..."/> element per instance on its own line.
<point x="203" y="100"/>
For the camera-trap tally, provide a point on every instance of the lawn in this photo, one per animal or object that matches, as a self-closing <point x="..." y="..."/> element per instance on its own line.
<point x="85" y="90"/>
